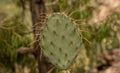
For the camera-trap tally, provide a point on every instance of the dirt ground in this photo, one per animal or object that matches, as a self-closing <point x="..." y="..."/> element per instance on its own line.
<point x="112" y="62"/>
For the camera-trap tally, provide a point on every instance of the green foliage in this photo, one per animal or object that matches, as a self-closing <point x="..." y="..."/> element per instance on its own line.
<point x="81" y="14"/>
<point x="60" y="40"/>
<point x="12" y="37"/>
<point x="100" y="37"/>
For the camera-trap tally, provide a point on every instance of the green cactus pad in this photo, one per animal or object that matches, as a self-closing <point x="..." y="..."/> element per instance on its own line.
<point x="60" y="40"/>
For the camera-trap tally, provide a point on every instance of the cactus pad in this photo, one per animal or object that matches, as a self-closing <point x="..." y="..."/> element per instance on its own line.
<point x="60" y="40"/>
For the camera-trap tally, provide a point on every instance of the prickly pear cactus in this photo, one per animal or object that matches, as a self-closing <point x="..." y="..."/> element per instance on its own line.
<point x="60" y="40"/>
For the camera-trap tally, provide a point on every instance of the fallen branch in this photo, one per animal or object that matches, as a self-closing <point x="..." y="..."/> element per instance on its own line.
<point x="24" y="50"/>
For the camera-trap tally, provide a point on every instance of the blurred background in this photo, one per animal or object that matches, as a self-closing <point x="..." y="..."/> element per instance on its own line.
<point x="98" y="20"/>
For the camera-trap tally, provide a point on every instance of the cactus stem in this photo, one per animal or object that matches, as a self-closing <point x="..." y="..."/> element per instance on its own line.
<point x="61" y="40"/>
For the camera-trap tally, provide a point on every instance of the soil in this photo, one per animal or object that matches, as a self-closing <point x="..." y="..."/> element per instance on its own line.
<point x="112" y="64"/>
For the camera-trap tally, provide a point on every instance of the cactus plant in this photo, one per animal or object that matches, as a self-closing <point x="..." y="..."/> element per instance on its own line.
<point x="60" y="40"/>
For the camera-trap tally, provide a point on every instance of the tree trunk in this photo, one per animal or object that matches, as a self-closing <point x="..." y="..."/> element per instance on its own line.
<point x="37" y="8"/>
